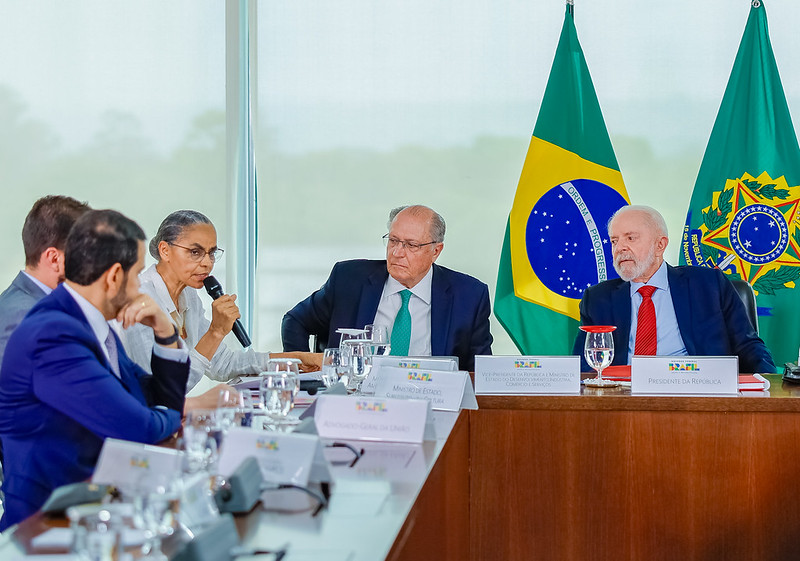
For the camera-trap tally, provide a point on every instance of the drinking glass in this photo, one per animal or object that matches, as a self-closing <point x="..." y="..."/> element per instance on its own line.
<point x="348" y="334"/>
<point x="599" y="352"/>
<point x="97" y="530"/>
<point x="227" y="404"/>
<point x="379" y="335"/>
<point x="277" y="393"/>
<point x="245" y="409"/>
<point x="359" y="359"/>
<point x="200" y="432"/>
<point x="334" y="367"/>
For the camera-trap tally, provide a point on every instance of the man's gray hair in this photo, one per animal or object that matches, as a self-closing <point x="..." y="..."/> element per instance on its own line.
<point x="437" y="225"/>
<point x="654" y="218"/>
<point x="173" y="226"/>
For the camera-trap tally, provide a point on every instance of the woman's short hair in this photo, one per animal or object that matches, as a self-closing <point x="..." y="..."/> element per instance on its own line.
<point x="172" y="228"/>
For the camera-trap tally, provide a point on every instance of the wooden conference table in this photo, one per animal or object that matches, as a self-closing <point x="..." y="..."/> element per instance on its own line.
<point x="602" y="475"/>
<point x="608" y="475"/>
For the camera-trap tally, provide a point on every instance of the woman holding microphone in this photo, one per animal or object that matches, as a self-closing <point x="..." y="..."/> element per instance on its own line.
<point x="185" y="249"/>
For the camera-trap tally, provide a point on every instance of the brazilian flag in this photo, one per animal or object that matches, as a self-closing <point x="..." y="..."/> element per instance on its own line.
<point x="743" y="216"/>
<point x="556" y="243"/>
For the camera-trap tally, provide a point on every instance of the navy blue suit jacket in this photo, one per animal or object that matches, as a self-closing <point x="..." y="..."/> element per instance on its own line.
<point x="711" y="317"/>
<point x="350" y="297"/>
<point x="59" y="399"/>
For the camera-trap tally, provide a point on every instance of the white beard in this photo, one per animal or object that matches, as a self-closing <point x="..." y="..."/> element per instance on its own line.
<point x="630" y="272"/>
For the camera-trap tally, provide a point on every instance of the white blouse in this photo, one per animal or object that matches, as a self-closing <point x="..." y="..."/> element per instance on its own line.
<point x="225" y="365"/>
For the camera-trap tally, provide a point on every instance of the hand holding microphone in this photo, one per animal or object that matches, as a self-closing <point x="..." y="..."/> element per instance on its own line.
<point x="214" y="289"/>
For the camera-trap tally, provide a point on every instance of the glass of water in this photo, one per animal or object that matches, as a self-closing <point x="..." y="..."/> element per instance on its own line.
<point x="358" y="353"/>
<point x="379" y="335"/>
<point x="599" y="352"/>
<point x="200" y="440"/>
<point x="334" y="367"/>
<point x="277" y="393"/>
<point x="227" y="404"/>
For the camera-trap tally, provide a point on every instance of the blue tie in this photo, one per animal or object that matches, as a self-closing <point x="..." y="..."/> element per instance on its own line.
<point x="401" y="330"/>
<point x="113" y="356"/>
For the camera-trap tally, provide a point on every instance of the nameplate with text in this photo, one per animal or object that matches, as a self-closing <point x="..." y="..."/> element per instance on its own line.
<point x="129" y="465"/>
<point x="445" y="363"/>
<point x="371" y="418"/>
<point x="447" y="391"/>
<point x="282" y="457"/>
<point x="515" y="375"/>
<point x="682" y="375"/>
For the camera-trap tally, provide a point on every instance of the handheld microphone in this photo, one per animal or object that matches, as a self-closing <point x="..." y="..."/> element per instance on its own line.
<point x="214" y="289"/>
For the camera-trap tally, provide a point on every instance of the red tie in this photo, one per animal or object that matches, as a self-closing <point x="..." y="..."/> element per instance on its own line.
<point x="646" y="336"/>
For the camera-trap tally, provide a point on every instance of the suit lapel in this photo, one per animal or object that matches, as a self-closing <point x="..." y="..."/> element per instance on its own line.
<point x="679" y="290"/>
<point x="26" y="285"/>
<point x="68" y="304"/>
<point x="371" y="296"/>
<point x="621" y="310"/>
<point x="441" y="306"/>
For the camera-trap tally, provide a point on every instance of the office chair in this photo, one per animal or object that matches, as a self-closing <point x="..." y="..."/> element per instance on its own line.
<point x="748" y="297"/>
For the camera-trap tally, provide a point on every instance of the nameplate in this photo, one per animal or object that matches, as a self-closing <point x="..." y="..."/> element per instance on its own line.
<point x="513" y="375"/>
<point x="282" y="457"/>
<point x="694" y="375"/>
<point x="130" y="465"/>
<point x="444" y="363"/>
<point x="371" y="418"/>
<point x="447" y="391"/>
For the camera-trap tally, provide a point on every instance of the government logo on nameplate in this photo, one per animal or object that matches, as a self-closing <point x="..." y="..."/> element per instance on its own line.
<point x="443" y="363"/>
<point x="371" y="418"/>
<point x="125" y="464"/>
<point x="447" y="391"/>
<point x="515" y="375"/>
<point x="682" y="375"/>
<point x="282" y="457"/>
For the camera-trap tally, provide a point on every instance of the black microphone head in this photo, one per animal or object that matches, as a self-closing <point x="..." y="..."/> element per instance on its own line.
<point x="213" y="287"/>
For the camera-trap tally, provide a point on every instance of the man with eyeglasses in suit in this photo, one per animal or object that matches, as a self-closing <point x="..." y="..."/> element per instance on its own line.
<point x="428" y="309"/>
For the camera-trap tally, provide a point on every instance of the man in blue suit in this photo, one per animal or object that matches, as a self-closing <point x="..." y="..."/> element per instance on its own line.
<point x="66" y="382"/>
<point x="697" y="310"/>
<point x="447" y="311"/>
<point x="44" y="234"/>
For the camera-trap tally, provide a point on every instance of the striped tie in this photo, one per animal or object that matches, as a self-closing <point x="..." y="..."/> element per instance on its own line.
<point x="646" y="334"/>
<point x="401" y="330"/>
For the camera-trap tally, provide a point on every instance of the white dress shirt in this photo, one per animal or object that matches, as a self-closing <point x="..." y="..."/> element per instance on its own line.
<point x="101" y="327"/>
<point x="419" y="306"/>
<point x="670" y="342"/>
<point x="223" y="366"/>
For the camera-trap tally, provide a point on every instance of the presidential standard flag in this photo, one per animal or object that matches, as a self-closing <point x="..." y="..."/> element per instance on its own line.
<point x="556" y="243"/>
<point x="743" y="214"/>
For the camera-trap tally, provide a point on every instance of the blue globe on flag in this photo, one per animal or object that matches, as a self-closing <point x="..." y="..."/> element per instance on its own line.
<point x="566" y="237"/>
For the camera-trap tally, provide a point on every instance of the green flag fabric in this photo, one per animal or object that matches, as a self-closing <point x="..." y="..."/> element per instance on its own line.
<point x="556" y="243"/>
<point x="742" y="217"/>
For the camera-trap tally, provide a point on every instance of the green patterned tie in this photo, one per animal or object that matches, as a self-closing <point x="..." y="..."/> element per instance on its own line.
<point x="401" y="331"/>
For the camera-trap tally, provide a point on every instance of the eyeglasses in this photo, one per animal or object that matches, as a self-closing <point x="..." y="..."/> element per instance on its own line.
<point x="198" y="254"/>
<point x="411" y="247"/>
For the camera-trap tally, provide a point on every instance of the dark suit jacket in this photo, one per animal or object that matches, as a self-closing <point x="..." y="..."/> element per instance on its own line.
<point x="350" y="297"/>
<point x="59" y="399"/>
<point x="15" y="302"/>
<point x="711" y="317"/>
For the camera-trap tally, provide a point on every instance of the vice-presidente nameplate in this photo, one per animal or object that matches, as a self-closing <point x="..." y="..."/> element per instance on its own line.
<point x="514" y="375"/>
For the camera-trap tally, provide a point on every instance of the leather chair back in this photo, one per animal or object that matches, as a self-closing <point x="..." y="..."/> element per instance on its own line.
<point x="748" y="297"/>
